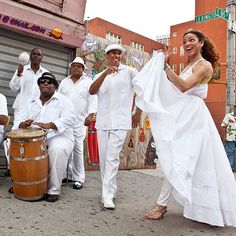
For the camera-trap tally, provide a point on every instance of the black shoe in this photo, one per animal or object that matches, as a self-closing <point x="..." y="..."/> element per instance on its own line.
<point x="64" y="181"/>
<point x="78" y="185"/>
<point x="11" y="190"/>
<point x="7" y="173"/>
<point x="51" y="198"/>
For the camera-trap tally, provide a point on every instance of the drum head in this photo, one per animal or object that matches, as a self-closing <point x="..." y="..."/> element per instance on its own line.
<point x="26" y="133"/>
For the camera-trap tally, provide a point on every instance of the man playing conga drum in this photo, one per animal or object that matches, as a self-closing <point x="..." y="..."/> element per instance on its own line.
<point x="55" y="113"/>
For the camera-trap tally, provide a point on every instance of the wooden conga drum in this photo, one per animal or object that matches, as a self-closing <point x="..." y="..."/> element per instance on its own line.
<point x="28" y="163"/>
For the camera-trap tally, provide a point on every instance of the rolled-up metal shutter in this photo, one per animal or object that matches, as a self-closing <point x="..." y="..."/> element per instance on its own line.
<point x="56" y="59"/>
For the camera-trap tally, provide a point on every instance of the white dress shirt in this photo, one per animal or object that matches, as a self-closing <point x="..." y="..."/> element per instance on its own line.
<point x="25" y="86"/>
<point x="78" y="93"/>
<point x="58" y="110"/>
<point x="3" y="111"/>
<point x="115" y="99"/>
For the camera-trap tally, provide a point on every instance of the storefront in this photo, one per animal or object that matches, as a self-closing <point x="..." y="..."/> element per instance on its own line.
<point x="24" y="27"/>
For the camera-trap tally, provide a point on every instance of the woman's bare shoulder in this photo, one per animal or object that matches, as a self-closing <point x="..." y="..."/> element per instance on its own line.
<point x="204" y="66"/>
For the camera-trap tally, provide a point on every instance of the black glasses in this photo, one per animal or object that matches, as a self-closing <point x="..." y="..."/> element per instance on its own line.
<point x="44" y="81"/>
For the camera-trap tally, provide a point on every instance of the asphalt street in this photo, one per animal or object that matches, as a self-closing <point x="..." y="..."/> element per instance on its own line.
<point x="80" y="212"/>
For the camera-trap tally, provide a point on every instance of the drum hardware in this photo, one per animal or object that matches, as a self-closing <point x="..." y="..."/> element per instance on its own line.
<point x="43" y="148"/>
<point x="22" y="151"/>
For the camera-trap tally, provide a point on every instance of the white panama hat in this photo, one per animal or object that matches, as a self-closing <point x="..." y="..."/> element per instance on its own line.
<point x="78" y="60"/>
<point x="114" y="47"/>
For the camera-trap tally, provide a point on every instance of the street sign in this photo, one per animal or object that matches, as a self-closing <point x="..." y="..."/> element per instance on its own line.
<point x="206" y="17"/>
<point x="218" y="13"/>
<point x="222" y="13"/>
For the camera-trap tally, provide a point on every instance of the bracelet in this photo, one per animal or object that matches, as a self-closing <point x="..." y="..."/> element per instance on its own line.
<point x="166" y="67"/>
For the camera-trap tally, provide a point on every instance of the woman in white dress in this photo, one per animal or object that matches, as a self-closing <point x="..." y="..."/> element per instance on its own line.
<point x="192" y="157"/>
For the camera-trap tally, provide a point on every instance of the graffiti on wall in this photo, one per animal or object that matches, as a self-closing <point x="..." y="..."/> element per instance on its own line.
<point x="94" y="54"/>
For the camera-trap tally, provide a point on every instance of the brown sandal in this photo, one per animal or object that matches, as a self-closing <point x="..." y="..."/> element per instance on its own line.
<point x="156" y="213"/>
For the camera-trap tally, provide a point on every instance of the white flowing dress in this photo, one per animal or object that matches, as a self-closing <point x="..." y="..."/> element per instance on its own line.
<point x="188" y="144"/>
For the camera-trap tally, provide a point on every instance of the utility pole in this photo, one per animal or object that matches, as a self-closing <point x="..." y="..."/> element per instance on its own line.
<point x="230" y="97"/>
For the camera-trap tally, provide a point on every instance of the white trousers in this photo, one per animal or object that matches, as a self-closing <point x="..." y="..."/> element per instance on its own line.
<point x="76" y="170"/>
<point x="6" y="145"/>
<point x="59" y="150"/>
<point x="110" y="143"/>
<point x="166" y="191"/>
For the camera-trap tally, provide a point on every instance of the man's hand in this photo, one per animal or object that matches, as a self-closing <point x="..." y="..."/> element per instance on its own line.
<point x="26" y="124"/>
<point x="4" y="120"/>
<point x="42" y="125"/>
<point x="111" y="70"/>
<point x="20" y="70"/>
<point x="88" y="120"/>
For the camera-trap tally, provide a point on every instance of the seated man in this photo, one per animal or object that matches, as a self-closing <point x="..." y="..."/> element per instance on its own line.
<point x="3" y="114"/>
<point x="55" y="113"/>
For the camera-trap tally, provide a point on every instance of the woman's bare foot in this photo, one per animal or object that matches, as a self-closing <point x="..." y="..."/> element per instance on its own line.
<point x="156" y="213"/>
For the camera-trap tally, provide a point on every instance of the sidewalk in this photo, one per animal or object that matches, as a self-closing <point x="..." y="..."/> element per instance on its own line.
<point x="79" y="212"/>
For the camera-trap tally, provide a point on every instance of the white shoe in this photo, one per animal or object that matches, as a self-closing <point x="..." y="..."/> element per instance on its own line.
<point x="108" y="204"/>
<point x="114" y="197"/>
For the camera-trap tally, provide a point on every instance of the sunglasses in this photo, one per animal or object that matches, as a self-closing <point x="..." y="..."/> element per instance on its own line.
<point x="44" y="81"/>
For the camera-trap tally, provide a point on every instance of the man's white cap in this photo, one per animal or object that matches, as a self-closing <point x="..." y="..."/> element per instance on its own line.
<point x="77" y="60"/>
<point x="114" y="47"/>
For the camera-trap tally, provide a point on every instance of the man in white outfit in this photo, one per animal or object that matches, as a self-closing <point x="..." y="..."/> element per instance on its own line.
<point x="55" y="113"/>
<point x="76" y="88"/>
<point x="229" y="123"/>
<point x="114" y="114"/>
<point x="3" y="115"/>
<point x="24" y="80"/>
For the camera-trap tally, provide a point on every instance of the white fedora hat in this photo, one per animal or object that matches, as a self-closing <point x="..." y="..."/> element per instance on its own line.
<point x="114" y="47"/>
<point x="77" y="60"/>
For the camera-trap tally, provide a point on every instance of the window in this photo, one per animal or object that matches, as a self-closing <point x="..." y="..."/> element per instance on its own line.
<point x="174" y="67"/>
<point x="113" y="38"/>
<point x="164" y="39"/>
<point x="181" y="67"/>
<point x="175" y="50"/>
<point x="137" y="46"/>
<point x="174" y="34"/>
<point x="181" y="51"/>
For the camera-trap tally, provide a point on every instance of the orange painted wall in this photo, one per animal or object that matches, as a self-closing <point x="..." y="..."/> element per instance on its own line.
<point x="100" y="27"/>
<point x="216" y="30"/>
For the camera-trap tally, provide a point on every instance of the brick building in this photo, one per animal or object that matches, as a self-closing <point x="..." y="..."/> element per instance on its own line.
<point x="118" y="34"/>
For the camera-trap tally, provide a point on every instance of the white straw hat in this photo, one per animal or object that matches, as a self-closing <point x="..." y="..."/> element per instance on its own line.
<point x="77" y="60"/>
<point x="114" y="47"/>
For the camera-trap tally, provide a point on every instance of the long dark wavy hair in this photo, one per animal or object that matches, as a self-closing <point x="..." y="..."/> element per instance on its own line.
<point x="208" y="50"/>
